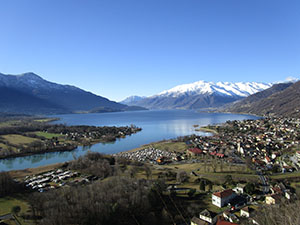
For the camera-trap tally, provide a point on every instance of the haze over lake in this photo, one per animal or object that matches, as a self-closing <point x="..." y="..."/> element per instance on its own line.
<point x="156" y="124"/>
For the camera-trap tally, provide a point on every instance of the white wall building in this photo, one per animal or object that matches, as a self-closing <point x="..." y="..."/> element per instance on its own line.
<point x="221" y="198"/>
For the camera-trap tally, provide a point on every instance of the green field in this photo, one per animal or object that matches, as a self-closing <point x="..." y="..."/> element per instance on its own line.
<point x="164" y="145"/>
<point x="3" y="146"/>
<point x="170" y="146"/>
<point x="238" y="173"/>
<point x="47" y="135"/>
<point x="18" y="139"/>
<point x="9" y="123"/>
<point x="45" y="120"/>
<point x="7" y="203"/>
<point x="286" y="175"/>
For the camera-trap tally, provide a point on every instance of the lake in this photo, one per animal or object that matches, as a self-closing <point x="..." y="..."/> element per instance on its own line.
<point x="156" y="124"/>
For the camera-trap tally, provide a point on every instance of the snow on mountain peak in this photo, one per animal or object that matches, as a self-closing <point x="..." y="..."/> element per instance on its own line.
<point x="242" y="89"/>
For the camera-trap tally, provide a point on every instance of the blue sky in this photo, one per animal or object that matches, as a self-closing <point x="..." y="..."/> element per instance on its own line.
<point x="118" y="48"/>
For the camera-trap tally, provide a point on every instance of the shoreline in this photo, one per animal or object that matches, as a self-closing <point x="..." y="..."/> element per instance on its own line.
<point x="72" y="148"/>
<point x="204" y="129"/>
<point x="15" y="156"/>
<point x="208" y="130"/>
<point x="36" y="170"/>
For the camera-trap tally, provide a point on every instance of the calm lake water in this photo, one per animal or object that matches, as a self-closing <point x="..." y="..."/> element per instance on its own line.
<point x="157" y="125"/>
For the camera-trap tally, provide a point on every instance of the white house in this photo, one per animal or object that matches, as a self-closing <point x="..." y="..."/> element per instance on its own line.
<point x="245" y="212"/>
<point x="207" y="216"/>
<point x="239" y="189"/>
<point x="198" y="221"/>
<point x="221" y="198"/>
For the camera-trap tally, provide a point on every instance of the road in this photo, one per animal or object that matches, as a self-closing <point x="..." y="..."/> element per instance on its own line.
<point x="266" y="186"/>
<point x="9" y="216"/>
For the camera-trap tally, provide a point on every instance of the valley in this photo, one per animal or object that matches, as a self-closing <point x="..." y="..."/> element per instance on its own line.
<point x="183" y="174"/>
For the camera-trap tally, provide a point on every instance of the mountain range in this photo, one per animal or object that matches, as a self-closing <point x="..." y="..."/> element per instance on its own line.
<point x="279" y="100"/>
<point x="28" y="93"/>
<point x="199" y="95"/>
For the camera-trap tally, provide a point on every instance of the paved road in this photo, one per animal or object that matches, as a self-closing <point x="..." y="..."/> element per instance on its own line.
<point x="9" y="216"/>
<point x="6" y="216"/>
<point x="266" y="187"/>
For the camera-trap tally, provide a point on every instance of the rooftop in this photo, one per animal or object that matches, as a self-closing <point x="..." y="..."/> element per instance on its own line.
<point x="223" y="194"/>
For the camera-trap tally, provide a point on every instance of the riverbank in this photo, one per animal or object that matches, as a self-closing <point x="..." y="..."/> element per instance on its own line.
<point x="17" y="174"/>
<point x="32" y="136"/>
<point x="206" y="129"/>
<point x="163" y="145"/>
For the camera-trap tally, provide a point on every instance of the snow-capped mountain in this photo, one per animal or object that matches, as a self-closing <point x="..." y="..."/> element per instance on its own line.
<point x="241" y="89"/>
<point x="201" y="94"/>
<point x="132" y="99"/>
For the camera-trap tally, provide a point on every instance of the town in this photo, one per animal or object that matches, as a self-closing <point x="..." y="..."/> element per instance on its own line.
<point x="226" y="177"/>
<point x="268" y="147"/>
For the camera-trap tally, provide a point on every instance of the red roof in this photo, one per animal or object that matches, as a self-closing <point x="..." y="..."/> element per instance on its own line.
<point x="221" y="221"/>
<point x="223" y="194"/>
<point x="195" y="150"/>
<point x="220" y="155"/>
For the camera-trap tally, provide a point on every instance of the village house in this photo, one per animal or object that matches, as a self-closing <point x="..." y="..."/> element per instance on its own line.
<point x="192" y="152"/>
<point x="222" y="221"/>
<point x="273" y="199"/>
<point x="197" y="221"/>
<point x="207" y="216"/>
<point x="221" y="198"/>
<point x="245" y="212"/>
<point x="288" y="194"/>
<point x="226" y="214"/>
<point x="239" y="189"/>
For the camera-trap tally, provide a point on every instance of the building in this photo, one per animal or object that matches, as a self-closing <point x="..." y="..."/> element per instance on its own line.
<point x="222" y="221"/>
<point x="197" y="221"/>
<point x="207" y="216"/>
<point x="194" y="152"/>
<point x="245" y="212"/>
<point x="221" y="198"/>
<point x="239" y="189"/>
<point x="273" y="199"/>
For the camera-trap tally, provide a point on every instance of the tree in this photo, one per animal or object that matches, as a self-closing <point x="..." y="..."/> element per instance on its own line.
<point x="148" y="171"/>
<point x="133" y="171"/>
<point x="181" y="176"/>
<point x="228" y="179"/>
<point x="214" y="164"/>
<point x="249" y="188"/>
<point x="16" y="209"/>
<point x="210" y="186"/>
<point x="191" y="192"/>
<point x="221" y="165"/>
<point x="248" y="162"/>
<point x="205" y="164"/>
<point x="202" y="185"/>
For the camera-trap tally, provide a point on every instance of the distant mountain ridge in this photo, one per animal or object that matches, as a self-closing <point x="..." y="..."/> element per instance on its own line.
<point x="132" y="99"/>
<point x="279" y="100"/>
<point x="29" y="93"/>
<point x="200" y="94"/>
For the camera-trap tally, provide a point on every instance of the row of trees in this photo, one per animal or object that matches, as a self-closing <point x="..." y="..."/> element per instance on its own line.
<point x="284" y="214"/>
<point x="114" y="201"/>
<point x="8" y="185"/>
